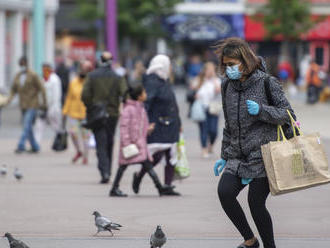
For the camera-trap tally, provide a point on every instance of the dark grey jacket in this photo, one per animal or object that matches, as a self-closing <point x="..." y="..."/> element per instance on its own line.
<point x="244" y="134"/>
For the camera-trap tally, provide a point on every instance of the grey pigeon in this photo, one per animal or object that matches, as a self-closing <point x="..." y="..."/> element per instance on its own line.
<point x="14" y="243"/>
<point x="157" y="239"/>
<point x="18" y="174"/>
<point x="3" y="170"/>
<point x="103" y="224"/>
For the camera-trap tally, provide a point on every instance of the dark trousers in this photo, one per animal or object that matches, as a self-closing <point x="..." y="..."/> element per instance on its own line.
<point x="208" y="130"/>
<point x="229" y="188"/>
<point x="169" y="169"/>
<point x="146" y="166"/>
<point x="104" y="144"/>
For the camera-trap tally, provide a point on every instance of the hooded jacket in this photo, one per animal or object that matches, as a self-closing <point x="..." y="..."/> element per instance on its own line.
<point x="244" y="134"/>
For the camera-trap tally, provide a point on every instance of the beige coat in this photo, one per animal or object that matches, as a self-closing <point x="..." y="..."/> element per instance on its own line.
<point x="28" y="91"/>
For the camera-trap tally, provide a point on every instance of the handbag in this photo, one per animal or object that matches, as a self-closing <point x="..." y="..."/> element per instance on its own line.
<point x="60" y="142"/>
<point x="190" y="97"/>
<point x="198" y="112"/>
<point x="130" y="151"/>
<point x="296" y="163"/>
<point x="96" y="114"/>
<point x="215" y="107"/>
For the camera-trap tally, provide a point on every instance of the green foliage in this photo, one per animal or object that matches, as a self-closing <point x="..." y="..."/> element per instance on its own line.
<point x="289" y="18"/>
<point x="89" y="10"/>
<point x="136" y="18"/>
<point x="140" y="18"/>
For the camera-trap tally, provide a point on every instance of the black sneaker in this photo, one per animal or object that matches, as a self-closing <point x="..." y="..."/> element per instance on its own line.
<point x="117" y="193"/>
<point x="255" y="245"/>
<point x="33" y="151"/>
<point x="104" y="180"/>
<point x="19" y="151"/>
<point x="169" y="191"/>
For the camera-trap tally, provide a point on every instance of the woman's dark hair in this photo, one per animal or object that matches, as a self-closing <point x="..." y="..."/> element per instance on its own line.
<point x="237" y="48"/>
<point x="133" y="92"/>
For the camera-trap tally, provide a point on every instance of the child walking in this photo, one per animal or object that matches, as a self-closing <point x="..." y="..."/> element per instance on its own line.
<point x="134" y="129"/>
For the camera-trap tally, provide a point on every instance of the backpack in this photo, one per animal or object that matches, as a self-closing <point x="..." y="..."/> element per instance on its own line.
<point x="286" y="127"/>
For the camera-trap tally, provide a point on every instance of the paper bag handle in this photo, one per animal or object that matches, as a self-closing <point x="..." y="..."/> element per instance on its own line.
<point x="279" y="132"/>
<point x="294" y="124"/>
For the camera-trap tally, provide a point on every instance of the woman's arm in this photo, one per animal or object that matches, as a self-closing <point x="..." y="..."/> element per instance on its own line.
<point x="276" y="114"/>
<point x="226" y="130"/>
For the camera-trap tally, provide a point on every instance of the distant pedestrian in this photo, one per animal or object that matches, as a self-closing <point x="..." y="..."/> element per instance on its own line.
<point x="104" y="86"/>
<point x="251" y="120"/>
<point x="134" y="129"/>
<point x="207" y="86"/>
<point x="75" y="111"/>
<point x="314" y="83"/>
<point x="28" y="87"/>
<point x="162" y="109"/>
<point x="53" y="117"/>
<point x="138" y="72"/>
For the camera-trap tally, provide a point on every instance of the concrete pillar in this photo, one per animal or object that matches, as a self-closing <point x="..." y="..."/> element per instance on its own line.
<point x="17" y="42"/>
<point x="3" y="49"/>
<point x="50" y="39"/>
<point x="39" y="34"/>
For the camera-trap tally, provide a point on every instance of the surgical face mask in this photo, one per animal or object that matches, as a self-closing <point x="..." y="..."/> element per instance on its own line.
<point x="233" y="72"/>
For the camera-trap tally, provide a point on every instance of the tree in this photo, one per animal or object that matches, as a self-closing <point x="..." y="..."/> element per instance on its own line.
<point x="137" y="19"/>
<point x="288" y="19"/>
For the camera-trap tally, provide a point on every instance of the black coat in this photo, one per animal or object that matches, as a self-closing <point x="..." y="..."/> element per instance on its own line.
<point x="162" y="110"/>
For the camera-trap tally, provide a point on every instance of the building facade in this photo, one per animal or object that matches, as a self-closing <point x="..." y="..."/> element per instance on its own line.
<point x="17" y="34"/>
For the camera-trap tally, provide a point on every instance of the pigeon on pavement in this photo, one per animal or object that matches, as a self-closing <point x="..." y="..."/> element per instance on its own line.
<point x="157" y="239"/>
<point x="18" y="174"/>
<point x="3" y="170"/>
<point x="14" y="243"/>
<point x="103" y="224"/>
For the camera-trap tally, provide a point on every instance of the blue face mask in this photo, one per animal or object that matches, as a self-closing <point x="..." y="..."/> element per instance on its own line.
<point x="233" y="72"/>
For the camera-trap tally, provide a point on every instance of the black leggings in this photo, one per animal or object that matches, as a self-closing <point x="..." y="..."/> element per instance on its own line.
<point x="229" y="188"/>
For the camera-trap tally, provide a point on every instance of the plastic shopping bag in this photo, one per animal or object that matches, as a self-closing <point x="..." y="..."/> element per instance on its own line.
<point x="181" y="170"/>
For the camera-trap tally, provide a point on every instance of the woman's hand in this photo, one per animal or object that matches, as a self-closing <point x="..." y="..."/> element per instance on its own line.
<point x="218" y="167"/>
<point x="253" y="107"/>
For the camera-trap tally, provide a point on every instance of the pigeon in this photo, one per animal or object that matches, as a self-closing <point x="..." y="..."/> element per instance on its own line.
<point x="14" y="243"/>
<point x="157" y="239"/>
<point x="18" y="174"/>
<point x="103" y="224"/>
<point x="3" y="170"/>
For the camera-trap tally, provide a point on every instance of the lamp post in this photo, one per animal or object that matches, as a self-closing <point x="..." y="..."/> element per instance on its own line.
<point x="39" y="35"/>
<point x="111" y="27"/>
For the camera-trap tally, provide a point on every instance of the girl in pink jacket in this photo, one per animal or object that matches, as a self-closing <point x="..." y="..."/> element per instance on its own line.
<point x="134" y="129"/>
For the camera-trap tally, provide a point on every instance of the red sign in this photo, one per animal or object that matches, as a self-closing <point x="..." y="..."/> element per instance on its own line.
<point x="255" y="31"/>
<point x="81" y="50"/>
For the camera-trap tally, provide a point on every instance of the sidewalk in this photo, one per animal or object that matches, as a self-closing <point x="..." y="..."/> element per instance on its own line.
<point x="53" y="205"/>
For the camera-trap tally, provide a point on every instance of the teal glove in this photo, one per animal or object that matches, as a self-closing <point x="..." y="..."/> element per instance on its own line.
<point x="253" y="107"/>
<point x="246" y="181"/>
<point x="218" y="167"/>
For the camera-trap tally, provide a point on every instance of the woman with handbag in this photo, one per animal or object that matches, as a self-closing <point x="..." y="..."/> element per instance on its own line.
<point x="134" y="129"/>
<point x="162" y="110"/>
<point x="207" y="87"/>
<point x="253" y="104"/>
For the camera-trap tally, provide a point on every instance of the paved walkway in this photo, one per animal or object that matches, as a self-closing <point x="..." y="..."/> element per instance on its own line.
<point x="53" y="205"/>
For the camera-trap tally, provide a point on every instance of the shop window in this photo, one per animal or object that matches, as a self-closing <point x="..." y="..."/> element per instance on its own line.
<point x="319" y="55"/>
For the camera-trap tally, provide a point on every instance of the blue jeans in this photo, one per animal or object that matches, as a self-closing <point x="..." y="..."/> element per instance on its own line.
<point x="29" y="116"/>
<point x="208" y="129"/>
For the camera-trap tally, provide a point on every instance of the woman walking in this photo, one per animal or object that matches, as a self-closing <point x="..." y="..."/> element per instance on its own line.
<point x="251" y="120"/>
<point x="75" y="111"/>
<point x="207" y="87"/>
<point x="162" y="110"/>
<point x="134" y="129"/>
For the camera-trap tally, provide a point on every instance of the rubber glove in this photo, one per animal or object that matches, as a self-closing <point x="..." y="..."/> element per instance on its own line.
<point x="218" y="167"/>
<point x="253" y="107"/>
<point x="246" y="181"/>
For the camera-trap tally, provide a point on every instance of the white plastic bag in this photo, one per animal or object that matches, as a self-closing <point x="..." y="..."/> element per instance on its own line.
<point x="181" y="170"/>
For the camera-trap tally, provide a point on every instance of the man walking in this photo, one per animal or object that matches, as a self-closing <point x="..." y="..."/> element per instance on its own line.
<point x="28" y="87"/>
<point x="105" y="87"/>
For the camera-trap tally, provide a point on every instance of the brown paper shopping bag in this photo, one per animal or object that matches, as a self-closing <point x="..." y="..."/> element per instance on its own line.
<point x="295" y="164"/>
